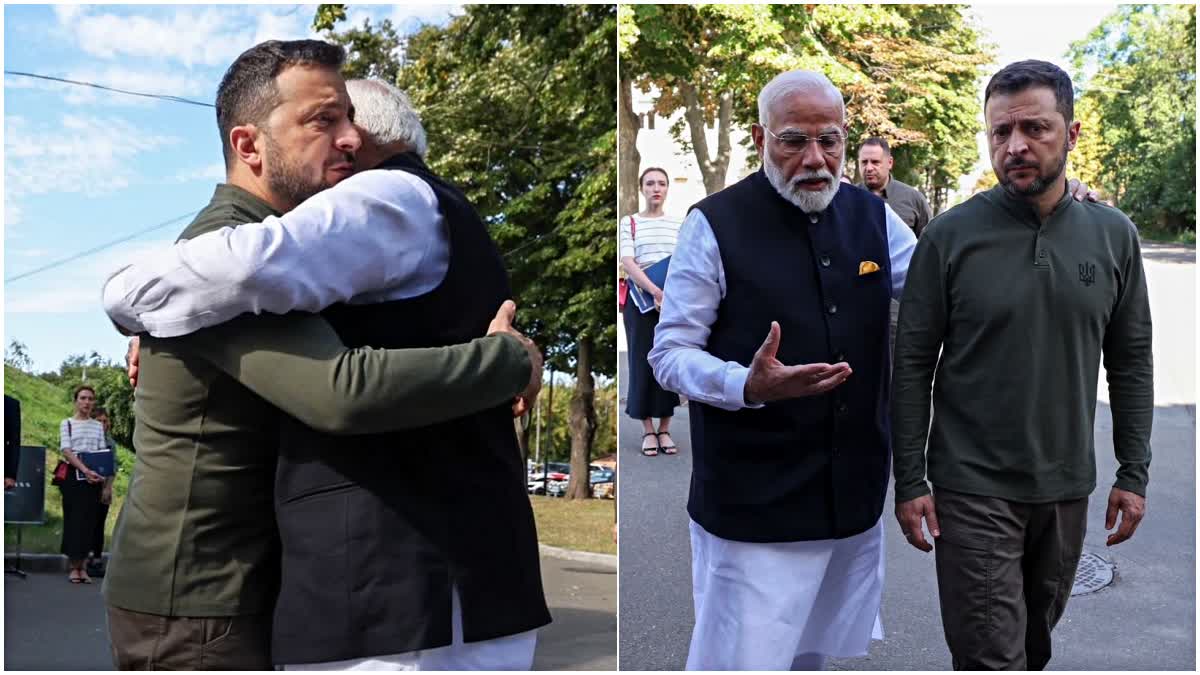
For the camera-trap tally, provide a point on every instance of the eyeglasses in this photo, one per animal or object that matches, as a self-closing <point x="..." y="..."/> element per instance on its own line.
<point x="795" y="143"/>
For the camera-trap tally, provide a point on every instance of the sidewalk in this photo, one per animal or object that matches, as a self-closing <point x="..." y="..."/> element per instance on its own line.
<point x="42" y="608"/>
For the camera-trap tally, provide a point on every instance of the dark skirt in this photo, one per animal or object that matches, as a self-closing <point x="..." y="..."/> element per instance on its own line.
<point x="81" y="510"/>
<point x="645" y="399"/>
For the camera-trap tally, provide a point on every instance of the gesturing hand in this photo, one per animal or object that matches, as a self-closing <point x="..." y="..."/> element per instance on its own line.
<point x="771" y="380"/>
<point x="909" y="515"/>
<point x="1132" y="507"/>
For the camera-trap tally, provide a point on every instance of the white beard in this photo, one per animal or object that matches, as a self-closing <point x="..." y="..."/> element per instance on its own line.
<point x="808" y="202"/>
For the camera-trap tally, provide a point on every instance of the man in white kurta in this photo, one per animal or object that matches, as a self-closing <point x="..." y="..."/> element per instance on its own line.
<point x="774" y="605"/>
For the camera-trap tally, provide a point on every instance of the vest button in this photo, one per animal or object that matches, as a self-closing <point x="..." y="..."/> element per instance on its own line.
<point x="839" y="357"/>
<point x="825" y="261"/>
<point x="832" y="309"/>
<point x="843" y="409"/>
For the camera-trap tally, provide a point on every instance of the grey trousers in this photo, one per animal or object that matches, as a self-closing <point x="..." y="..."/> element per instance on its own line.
<point x="1004" y="572"/>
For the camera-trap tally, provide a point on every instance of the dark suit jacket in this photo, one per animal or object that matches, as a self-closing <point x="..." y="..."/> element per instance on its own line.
<point x="12" y="436"/>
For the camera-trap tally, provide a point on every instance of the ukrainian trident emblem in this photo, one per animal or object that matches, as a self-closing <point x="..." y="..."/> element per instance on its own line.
<point x="1087" y="273"/>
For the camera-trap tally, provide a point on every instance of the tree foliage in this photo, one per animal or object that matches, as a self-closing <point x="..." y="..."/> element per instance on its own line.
<point x="1138" y="113"/>
<point x="909" y="73"/>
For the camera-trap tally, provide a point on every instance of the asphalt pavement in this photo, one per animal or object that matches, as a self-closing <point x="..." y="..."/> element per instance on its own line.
<point x="50" y="624"/>
<point x="1144" y="620"/>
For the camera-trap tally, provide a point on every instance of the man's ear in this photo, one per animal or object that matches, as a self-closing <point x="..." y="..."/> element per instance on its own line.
<point x="245" y="141"/>
<point x="756" y="132"/>
<point x="1072" y="134"/>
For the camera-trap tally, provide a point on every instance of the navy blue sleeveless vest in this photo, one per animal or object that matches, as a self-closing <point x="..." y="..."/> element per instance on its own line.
<point x="376" y="528"/>
<point x="808" y="468"/>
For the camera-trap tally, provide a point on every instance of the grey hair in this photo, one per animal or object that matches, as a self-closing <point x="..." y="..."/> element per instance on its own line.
<point x="793" y="82"/>
<point x="386" y="116"/>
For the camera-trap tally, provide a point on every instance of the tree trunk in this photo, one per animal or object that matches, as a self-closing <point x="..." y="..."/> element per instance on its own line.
<point x="714" y="170"/>
<point x="629" y="160"/>
<point x="582" y="422"/>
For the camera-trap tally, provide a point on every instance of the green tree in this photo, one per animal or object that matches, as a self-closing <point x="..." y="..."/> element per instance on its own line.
<point x="17" y="356"/>
<point x="1141" y="104"/>
<point x="517" y="102"/>
<point x="908" y="73"/>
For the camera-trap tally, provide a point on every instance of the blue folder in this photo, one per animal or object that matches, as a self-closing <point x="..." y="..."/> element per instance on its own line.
<point x="658" y="274"/>
<point x="100" y="462"/>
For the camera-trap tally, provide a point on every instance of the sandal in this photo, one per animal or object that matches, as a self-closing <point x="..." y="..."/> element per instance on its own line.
<point x="667" y="449"/>
<point x="650" y="452"/>
<point x="73" y="577"/>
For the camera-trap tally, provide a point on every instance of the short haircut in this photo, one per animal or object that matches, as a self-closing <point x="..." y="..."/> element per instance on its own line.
<point x="248" y="93"/>
<point x="98" y="411"/>
<point x="83" y="387"/>
<point x="642" y="177"/>
<point x="792" y="82"/>
<point x="1022" y="75"/>
<point x="386" y="115"/>
<point x="875" y="140"/>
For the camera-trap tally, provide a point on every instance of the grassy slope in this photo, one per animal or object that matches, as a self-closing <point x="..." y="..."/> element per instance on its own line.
<point x="43" y="408"/>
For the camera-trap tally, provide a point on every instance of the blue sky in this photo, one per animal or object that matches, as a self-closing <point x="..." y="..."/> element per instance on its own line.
<point x="84" y="167"/>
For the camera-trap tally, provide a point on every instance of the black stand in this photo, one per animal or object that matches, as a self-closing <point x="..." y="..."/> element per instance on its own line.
<point x="17" y="564"/>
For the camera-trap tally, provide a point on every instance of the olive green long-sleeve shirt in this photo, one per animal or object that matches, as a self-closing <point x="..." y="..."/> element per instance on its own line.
<point x="1021" y="310"/>
<point x="197" y="536"/>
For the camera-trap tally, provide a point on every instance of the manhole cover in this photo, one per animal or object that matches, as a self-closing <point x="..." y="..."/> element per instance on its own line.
<point x="1092" y="575"/>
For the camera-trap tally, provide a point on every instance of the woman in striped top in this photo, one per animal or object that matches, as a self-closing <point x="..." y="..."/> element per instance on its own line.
<point x="647" y="238"/>
<point x="81" y="490"/>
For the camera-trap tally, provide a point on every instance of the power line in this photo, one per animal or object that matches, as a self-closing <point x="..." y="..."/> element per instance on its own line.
<point x="163" y="97"/>
<point x="101" y="247"/>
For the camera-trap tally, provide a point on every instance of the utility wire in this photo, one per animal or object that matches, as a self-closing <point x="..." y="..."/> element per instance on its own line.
<point x="101" y="247"/>
<point x="164" y="97"/>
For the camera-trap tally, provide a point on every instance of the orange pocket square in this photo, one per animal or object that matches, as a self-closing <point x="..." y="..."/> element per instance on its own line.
<point x="867" y="267"/>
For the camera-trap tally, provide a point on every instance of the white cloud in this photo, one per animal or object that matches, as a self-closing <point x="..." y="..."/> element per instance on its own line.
<point x="12" y="214"/>
<point x="74" y="287"/>
<point x="82" y="154"/>
<point x="190" y="35"/>
<point x="145" y="81"/>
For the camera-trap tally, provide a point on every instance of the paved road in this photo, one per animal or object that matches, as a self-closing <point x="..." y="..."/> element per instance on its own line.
<point x="1144" y="620"/>
<point x="40" y="610"/>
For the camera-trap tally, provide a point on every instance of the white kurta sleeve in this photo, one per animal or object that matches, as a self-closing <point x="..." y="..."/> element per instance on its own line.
<point x="901" y="242"/>
<point x="375" y="231"/>
<point x="693" y="291"/>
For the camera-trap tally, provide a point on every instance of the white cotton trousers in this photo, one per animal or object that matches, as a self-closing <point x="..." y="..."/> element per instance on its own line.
<point x="511" y="652"/>
<point x="784" y="606"/>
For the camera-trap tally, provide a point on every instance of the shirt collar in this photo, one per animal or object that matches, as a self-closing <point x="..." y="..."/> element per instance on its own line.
<point x="241" y="199"/>
<point x="1024" y="209"/>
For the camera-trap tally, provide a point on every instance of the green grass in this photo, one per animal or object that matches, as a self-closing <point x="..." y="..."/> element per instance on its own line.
<point x="43" y="407"/>
<point x="582" y="525"/>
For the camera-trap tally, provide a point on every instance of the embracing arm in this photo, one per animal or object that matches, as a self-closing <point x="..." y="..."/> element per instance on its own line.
<point x="298" y="363"/>
<point x="375" y="231"/>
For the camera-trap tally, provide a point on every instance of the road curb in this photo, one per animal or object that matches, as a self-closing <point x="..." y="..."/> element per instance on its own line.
<point x="39" y="562"/>
<point x="602" y="559"/>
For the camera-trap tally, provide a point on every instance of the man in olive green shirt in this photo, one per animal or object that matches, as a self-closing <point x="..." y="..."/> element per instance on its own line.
<point x="195" y="566"/>
<point x="875" y="164"/>
<point x="1021" y="289"/>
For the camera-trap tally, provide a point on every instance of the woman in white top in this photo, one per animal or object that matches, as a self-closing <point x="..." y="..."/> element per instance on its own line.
<point x="647" y="238"/>
<point x="81" y="491"/>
